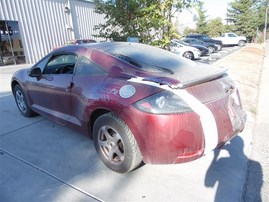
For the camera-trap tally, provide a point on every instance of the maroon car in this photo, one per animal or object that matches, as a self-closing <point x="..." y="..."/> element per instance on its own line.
<point x="137" y="102"/>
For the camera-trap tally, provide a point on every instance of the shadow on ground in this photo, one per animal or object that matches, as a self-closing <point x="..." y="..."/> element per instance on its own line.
<point x="230" y="165"/>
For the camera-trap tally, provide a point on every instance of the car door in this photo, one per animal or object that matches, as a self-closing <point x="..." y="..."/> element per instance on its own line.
<point x="50" y="92"/>
<point x="88" y="81"/>
<point x="231" y="39"/>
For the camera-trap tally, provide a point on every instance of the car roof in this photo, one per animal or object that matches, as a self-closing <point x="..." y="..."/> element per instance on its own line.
<point x="197" y="34"/>
<point x="148" y="58"/>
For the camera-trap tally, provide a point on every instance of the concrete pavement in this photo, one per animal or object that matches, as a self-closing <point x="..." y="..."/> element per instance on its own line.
<point x="260" y="148"/>
<point x="42" y="161"/>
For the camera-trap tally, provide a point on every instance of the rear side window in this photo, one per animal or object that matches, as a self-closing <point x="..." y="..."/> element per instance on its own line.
<point x="231" y="35"/>
<point x="87" y="67"/>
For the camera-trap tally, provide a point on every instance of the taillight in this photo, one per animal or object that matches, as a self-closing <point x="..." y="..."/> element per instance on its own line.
<point x="163" y="103"/>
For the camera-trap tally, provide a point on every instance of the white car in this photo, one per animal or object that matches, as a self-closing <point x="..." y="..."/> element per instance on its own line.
<point x="184" y="50"/>
<point x="229" y="39"/>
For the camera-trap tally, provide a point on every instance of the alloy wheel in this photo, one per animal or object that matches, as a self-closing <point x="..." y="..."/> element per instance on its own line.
<point x="20" y="101"/>
<point x="211" y="49"/>
<point x="188" y="55"/>
<point x="111" y="145"/>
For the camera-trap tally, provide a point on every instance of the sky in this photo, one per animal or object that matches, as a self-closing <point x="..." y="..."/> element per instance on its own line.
<point x="216" y="8"/>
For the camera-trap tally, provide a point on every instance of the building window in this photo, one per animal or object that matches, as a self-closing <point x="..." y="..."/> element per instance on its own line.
<point x="11" y="50"/>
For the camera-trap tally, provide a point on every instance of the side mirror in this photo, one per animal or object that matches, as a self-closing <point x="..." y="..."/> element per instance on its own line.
<point x="35" y="72"/>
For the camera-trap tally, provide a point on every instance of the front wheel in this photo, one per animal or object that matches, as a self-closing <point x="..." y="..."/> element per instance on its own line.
<point x="241" y="43"/>
<point x="115" y="144"/>
<point x="188" y="55"/>
<point x="211" y="49"/>
<point x="22" y="102"/>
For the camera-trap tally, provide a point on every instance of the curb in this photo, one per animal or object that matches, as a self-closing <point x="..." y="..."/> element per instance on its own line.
<point x="256" y="184"/>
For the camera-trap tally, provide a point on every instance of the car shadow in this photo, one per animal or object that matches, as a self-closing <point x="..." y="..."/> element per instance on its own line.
<point x="224" y="173"/>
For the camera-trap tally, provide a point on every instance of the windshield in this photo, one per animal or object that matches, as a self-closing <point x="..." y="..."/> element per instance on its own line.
<point x="181" y="42"/>
<point x="148" y="57"/>
<point x="206" y="38"/>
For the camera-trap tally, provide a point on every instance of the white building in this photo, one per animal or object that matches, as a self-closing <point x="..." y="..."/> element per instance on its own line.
<point x="29" y="29"/>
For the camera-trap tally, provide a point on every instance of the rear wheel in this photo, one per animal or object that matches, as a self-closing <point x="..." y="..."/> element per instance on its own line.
<point x="115" y="144"/>
<point x="211" y="49"/>
<point x="188" y="55"/>
<point x="241" y="43"/>
<point x="22" y="102"/>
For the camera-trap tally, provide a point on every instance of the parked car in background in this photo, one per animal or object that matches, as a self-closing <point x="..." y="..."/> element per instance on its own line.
<point x="137" y="102"/>
<point x="76" y="42"/>
<point x="202" y="49"/>
<point x="185" y="51"/>
<point x="80" y="41"/>
<point x="229" y="39"/>
<point x="192" y="41"/>
<point x="207" y="39"/>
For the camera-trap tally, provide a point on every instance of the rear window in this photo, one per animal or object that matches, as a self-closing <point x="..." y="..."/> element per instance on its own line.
<point x="149" y="58"/>
<point x="205" y="37"/>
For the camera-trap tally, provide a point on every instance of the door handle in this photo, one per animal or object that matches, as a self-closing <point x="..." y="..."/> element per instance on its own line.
<point x="69" y="86"/>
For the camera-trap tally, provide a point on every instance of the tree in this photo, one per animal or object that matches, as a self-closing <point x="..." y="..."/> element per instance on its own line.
<point x="201" y="25"/>
<point x="261" y="7"/>
<point x="188" y="31"/>
<point x="120" y="16"/>
<point x="247" y="16"/>
<point x="215" y="27"/>
<point x="150" y="20"/>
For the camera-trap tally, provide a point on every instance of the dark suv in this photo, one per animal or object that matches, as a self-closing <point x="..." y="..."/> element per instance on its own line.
<point x="207" y="39"/>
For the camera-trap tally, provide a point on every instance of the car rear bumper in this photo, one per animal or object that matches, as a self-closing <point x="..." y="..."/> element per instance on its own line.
<point x="196" y="54"/>
<point x="166" y="139"/>
<point x="179" y="138"/>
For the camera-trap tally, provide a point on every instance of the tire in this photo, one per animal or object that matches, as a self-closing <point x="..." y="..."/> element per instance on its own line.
<point x="211" y="49"/>
<point x="22" y="102"/>
<point x="241" y="43"/>
<point x="115" y="144"/>
<point x="188" y="55"/>
<point x="219" y="47"/>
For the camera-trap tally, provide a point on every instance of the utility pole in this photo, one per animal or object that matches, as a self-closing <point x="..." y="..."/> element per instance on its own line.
<point x="265" y="23"/>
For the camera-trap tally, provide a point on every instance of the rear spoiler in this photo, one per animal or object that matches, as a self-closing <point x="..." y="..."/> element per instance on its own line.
<point x="217" y="75"/>
<point x="172" y="83"/>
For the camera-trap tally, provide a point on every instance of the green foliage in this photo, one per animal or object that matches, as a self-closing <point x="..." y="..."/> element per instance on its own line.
<point x="150" y="20"/>
<point x="201" y="25"/>
<point x="120" y="18"/>
<point x="188" y="31"/>
<point x="247" y="16"/>
<point x="215" y="27"/>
